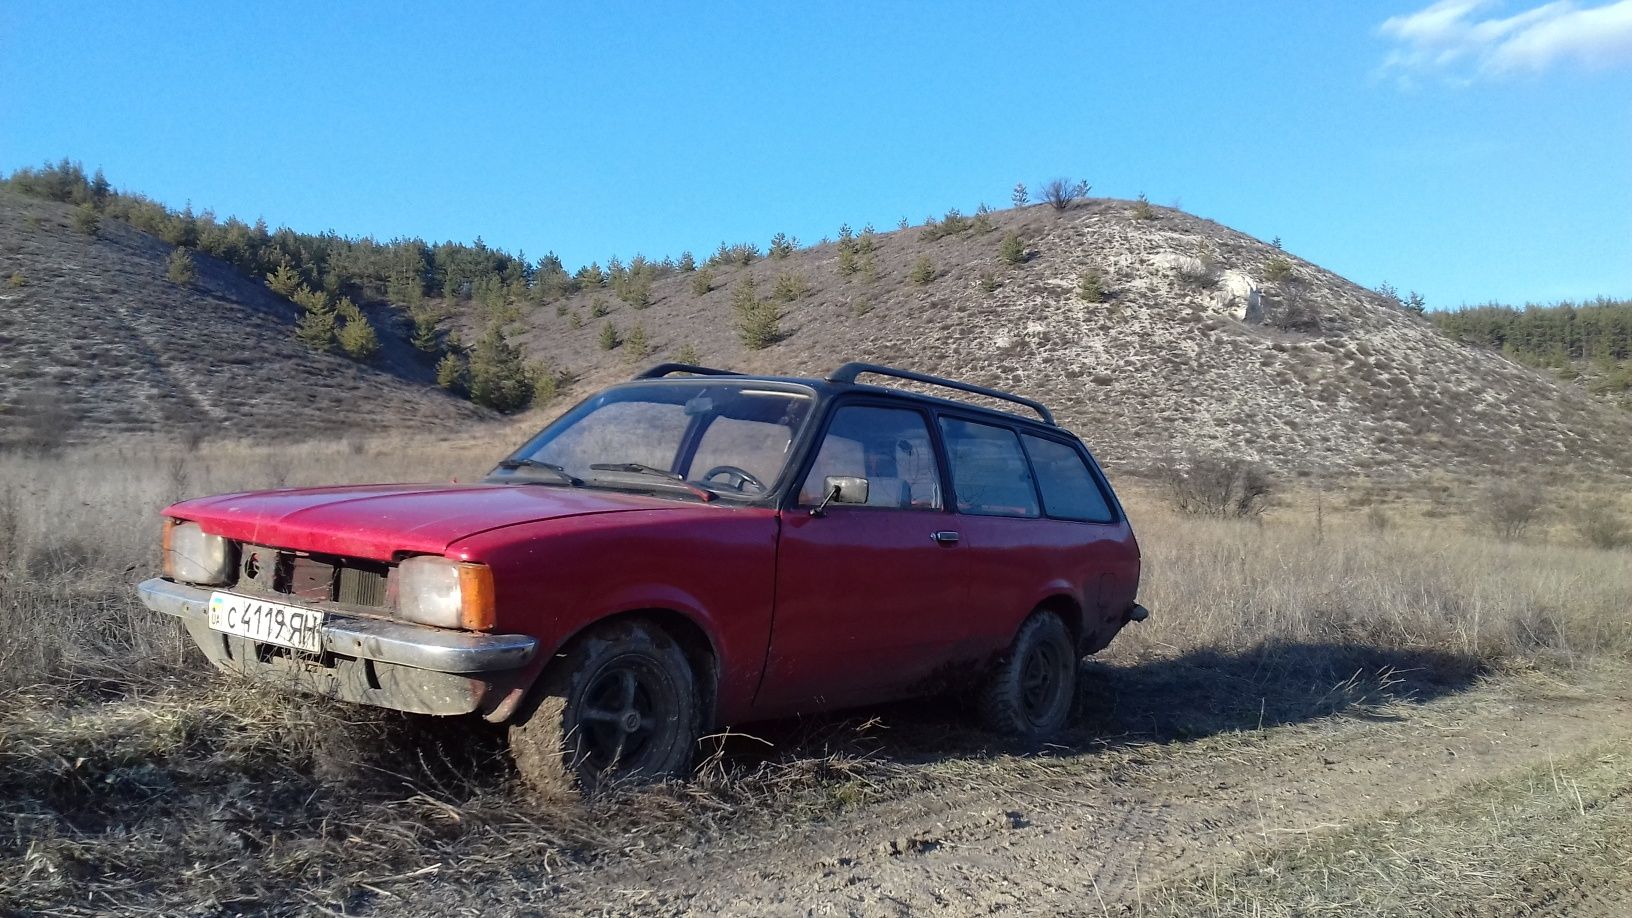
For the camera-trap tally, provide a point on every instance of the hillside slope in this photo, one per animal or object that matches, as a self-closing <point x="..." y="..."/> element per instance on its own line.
<point x="1322" y="375"/>
<point x="94" y="340"/>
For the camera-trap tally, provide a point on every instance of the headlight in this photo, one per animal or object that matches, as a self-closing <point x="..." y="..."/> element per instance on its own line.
<point x="192" y="555"/>
<point x="448" y="594"/>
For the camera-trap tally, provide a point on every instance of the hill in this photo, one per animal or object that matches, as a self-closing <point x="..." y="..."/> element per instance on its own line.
<point x="95" y="340"/>
<point x="1151" y="331"/>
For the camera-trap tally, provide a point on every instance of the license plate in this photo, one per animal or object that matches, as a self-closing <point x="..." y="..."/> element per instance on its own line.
<point x="273" y="623"/>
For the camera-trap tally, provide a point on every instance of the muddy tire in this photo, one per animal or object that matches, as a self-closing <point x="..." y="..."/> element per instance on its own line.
<point x="1028" y="694"/>
<point x="620" y="704"/>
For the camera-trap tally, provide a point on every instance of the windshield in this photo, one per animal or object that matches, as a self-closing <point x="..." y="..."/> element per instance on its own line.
<point x="723" y="439"/>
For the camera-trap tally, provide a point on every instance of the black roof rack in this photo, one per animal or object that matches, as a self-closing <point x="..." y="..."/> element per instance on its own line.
<point x="849" y="372"/>
<point x="664" y="369"/>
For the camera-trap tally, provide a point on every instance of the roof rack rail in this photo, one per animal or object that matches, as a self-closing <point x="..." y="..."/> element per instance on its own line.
<point x="849" y="372"/>
<point x="665" y="369"/>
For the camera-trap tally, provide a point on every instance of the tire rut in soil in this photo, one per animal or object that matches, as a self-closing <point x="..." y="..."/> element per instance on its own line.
<point x="1088" y="828"/>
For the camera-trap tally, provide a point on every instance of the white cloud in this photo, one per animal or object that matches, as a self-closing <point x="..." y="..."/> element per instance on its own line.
<point x="1469" y="38"/>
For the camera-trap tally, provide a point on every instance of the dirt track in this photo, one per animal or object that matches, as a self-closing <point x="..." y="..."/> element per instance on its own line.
<point x="1099" y="834"/>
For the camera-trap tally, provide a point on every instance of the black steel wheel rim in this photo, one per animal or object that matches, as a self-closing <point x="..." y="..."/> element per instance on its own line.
<point x="1041" y="681"/>
<point x="626" y="713"/>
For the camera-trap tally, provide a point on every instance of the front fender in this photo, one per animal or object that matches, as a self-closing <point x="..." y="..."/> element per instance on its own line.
<point x="714" y="566"/>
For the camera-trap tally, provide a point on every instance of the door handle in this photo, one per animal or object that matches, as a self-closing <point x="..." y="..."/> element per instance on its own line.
<point x="945" y="536"/>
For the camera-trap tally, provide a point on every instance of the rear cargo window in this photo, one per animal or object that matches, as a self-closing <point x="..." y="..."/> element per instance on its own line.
<point x="1069" y="489"/>
<point x="989" y="472"/>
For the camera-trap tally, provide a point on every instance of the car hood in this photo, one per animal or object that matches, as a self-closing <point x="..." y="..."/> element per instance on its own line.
<point x="384" y="521"/>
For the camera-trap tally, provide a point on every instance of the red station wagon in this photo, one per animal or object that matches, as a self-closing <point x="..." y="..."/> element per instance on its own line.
<point x="689" y="549"/>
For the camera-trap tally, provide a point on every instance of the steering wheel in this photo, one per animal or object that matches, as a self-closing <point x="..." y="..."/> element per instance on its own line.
<point x="744" y="478"/>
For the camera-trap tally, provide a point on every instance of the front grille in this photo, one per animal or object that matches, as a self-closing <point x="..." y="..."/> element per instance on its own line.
<point x="361" y="587"/>
<point x="312" y="578"/>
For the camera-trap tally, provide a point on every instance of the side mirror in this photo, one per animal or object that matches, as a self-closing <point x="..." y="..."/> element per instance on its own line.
<point x="842" y="489"/>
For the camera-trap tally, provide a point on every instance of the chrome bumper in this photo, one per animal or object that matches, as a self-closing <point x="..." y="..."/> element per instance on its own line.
<point x="417" y="646"/>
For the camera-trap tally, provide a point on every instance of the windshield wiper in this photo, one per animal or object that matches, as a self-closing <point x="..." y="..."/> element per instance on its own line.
<point x="640" y="468"/>
<point x="566" y="476"/>
<point x="636" y="467"/>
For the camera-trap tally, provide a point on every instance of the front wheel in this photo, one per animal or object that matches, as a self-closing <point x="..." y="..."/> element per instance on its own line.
<point x="620" y="705"/>
<point x="1028" y="694"/>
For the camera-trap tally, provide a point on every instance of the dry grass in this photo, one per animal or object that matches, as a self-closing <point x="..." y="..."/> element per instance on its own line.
<point x="136" y="783"/>
<point x="1557" y="833"/>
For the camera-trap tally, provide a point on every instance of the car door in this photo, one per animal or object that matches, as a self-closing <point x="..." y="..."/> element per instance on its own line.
<point x="862" y="589"/>
<point x="1012" y="557"/>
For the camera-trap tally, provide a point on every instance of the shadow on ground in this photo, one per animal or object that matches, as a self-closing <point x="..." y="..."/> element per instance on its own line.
<point x="1158" y="700"/>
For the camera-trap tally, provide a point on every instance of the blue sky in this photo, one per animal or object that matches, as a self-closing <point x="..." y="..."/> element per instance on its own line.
<point x="1469" y="149"/>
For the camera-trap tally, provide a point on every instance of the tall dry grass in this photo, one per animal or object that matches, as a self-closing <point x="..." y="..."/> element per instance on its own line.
<point x="79" y="528"/>
<point x="1229" y="585"/>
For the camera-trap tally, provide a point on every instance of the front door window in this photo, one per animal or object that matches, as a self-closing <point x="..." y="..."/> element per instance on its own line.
<point x="890" y="447"/>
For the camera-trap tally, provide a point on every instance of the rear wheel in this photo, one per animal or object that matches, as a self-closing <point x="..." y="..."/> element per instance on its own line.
<point x="1029" y="693"/>
<point x="620" y="705"/>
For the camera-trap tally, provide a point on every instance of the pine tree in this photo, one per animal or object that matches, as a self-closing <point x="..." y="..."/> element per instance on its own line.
<point x="790" y="286"/>
<point x="609" y="337"/>
<point x="688" y="355"/>
<point x="1091" y="286"/>
<point x="316" y="330"/>
<point x="425" y="334"/>
<point x="86" y="220"/>
<point x="923" y="271"/>
<point x="180" y="268"/>
<point x="782" y="245"/>
<point x="316" y="326"/>
<point x="546" y="383"/>
<point x="758" y="321"/>
<point x="1019" y="196"/>
<point x="450" y="372"/>
<point x="284" y="281"/>
<point x="498" y="375"/>
<point x="635" y="344"/>
<point x="355" y="334"/>
<point x="1011" y="251"/>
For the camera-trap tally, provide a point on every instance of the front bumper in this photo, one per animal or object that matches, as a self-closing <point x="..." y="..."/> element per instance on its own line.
<point x="407" y="667"/>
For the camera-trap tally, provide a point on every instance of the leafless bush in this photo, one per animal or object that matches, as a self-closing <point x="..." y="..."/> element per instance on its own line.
<point x="1293" y="308"/>
<point x="1509" y="506"/>
<point x="1211" y="486"/>
<point x="1061" y="192"/>
<point x="1601" y="527"/>
<point x="1378" y="520"/>
<point x="45" y="422"/>
<point x="10" y="529"/>
<point x="1201" y="273"/>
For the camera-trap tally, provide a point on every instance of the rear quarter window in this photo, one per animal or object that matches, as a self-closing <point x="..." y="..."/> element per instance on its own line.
<point x="989" y="472"/>
<point x="1070" y="490"/>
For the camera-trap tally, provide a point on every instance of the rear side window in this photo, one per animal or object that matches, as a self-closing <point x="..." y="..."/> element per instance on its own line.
<point x="1069" y="489"/>
<point x="989" y="473"/>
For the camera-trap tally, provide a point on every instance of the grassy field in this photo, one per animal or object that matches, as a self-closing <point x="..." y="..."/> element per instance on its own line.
<point x="136" y="782"/>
